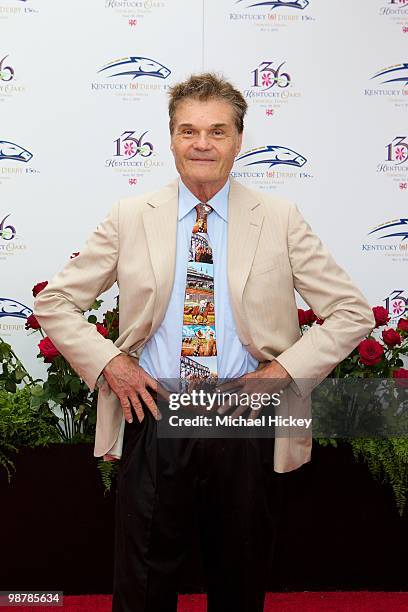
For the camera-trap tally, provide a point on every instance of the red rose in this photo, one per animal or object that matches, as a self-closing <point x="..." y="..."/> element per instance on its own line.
<point x="403" y="325"/>
<point x="32" y="323"/>
<point x="102" y="330"/>
<point x="381" y="315"/>
<point x="370" y="351"/>
<point x="75" y="254"/>
<point x="39" y="287"/>
<point x="401" y="376"/>
<point x="306" y="317"/>
<point x="391" y="337"/>
<point x="48" y="350"/>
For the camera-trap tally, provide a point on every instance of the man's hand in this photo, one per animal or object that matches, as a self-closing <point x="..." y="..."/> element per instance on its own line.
<point x="130" y="382"/>
<point x="269" y="378"/>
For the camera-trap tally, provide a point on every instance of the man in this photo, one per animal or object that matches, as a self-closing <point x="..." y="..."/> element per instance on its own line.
<point x="261" y="249"/>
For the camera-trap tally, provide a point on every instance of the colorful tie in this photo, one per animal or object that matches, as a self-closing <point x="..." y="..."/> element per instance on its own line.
<point x="199" y="349"/>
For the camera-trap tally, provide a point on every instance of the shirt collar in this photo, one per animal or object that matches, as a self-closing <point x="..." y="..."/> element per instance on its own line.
<point x="187" y="201"/>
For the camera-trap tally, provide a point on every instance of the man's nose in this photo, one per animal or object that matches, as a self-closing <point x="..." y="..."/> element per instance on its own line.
<point x="202" y="141"/>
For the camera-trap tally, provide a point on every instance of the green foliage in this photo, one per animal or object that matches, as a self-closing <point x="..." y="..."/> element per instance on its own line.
<point x="387" y="460"/>
<point x="108" y="470"/>
<point x="12" y="371"/>
<point x="21" y="424"/>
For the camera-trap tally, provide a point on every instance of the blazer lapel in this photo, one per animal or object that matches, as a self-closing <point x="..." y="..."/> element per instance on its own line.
<point x="160" y="223"/>
<point x="245" y="219"/>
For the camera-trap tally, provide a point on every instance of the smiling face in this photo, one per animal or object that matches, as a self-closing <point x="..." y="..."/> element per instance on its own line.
<point x="204" y="142"/>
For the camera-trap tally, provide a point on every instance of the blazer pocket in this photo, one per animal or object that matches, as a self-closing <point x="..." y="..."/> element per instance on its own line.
<point x="267" y="265"/>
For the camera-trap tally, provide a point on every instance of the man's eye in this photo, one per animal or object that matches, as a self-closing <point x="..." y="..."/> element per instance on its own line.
<point x="187" y="132"/>
<point x="218" y="132"/>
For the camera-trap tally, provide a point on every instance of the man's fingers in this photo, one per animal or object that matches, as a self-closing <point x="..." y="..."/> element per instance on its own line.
<point x="228" y="404"/>
<point x="230" y="385"/>
<point x="137" y="406"/>
<point x="150" y="403"/>
<point x="124" y="402"/>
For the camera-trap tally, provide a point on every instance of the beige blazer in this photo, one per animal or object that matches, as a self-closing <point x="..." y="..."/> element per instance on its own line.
<point x="272" y="251"/>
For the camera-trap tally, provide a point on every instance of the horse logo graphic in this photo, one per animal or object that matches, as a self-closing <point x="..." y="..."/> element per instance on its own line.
<point x="272" y="4"/>
<point x="397" y="223"/>
<point x="10" y="150"/>
<point x="273" y="155"/>
<point x="399" y="71"/>
<point x="136" y="66"/>
<point x="12" y="308"/>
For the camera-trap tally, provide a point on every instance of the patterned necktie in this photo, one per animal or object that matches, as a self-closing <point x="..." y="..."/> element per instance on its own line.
<point x="198" y="349"/>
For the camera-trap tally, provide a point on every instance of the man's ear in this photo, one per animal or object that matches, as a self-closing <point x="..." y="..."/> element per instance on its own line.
<point x="239" y="144"/>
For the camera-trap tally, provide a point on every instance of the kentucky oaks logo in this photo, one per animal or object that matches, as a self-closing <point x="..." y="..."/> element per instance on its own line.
<point x="133" y="156"/>
<point x="396" y="11"/>
<point x="9" y="240"/>
<point x="395" y="164"/>
<point x="389" y="239"/>
<point x="397" y="304"/>
<point x="134" y="10"/>
<point x="271" y="86"/>
<point x="12" y="309"/>
<point x="132" y="76"/>
<point x="270" y="165"/>
<point x="8" y="87"/>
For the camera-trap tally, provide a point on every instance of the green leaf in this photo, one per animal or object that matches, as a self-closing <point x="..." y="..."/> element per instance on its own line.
<point x="10" y="386"/>
<point x="92" y="319"/>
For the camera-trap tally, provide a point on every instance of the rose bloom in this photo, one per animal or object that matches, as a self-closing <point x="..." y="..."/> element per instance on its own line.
<point x="391" y="337"/>
<point x="48" y="350"/>
<point x="306" y="317"/>
<point x="370" y="351"/>
<point x="32" y="323"/>
<point x="401" y="376"/>
<point x="39" y="287"/>
<point x="381" y="315"/>
<point x="403" y="325"/>
<point x="102" y="330"/>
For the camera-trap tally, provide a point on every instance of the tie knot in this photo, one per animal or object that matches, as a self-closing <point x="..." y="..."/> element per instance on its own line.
<point x="203" y="210"/>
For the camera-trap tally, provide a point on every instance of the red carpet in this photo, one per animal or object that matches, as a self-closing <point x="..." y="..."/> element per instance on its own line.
<point x="282" y="602"/>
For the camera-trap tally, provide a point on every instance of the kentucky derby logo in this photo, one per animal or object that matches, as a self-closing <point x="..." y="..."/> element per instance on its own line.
<point x="6" y="71"/>
<point x="397" y="228"/>
<point x="12" y="151"/>
<point x="272" y="155"/>
<point x="393" y="74"/>
<point x="272" y="4"/>
<point x="12" y="308"/>
<point x="135" y="67"/>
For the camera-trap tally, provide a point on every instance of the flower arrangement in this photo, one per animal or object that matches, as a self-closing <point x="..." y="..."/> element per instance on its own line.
<point x="380" y="355"/>
<point x="63" y="387"/>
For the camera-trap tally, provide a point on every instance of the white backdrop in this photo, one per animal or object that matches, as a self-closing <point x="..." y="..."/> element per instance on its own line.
<point x="327" y="85"/>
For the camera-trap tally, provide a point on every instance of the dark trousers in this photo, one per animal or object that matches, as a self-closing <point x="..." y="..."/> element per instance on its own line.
<point x="166" y="488"/>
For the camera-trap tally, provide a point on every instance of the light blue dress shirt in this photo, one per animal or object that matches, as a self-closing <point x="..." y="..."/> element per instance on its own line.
<point x="160" y="356"/>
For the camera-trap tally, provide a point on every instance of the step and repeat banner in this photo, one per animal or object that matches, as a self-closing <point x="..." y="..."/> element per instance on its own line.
<point x="83" y="122"/>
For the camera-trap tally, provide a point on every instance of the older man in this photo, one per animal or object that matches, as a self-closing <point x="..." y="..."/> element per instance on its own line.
<point x="259" y="249"/>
